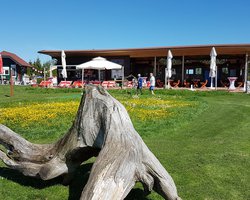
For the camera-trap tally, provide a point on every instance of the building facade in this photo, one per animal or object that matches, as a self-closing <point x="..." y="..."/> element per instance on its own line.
<point x="189" y="62"/>
<point x="13" y="65"/>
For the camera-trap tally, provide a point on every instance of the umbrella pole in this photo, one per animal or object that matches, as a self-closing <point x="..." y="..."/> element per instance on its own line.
<point x="216" y="70"/>
<point x="166" y="78"/>
<point x="82" y="77"/>
<point x="11" y="83"/>
<point x="122" y="76"/>
<point x="245" y="77"/>
<point x="211" y="86"/>
<point x="44" y="78"/>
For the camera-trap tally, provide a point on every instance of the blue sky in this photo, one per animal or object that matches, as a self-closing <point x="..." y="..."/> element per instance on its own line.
<point x="28" y="26"/>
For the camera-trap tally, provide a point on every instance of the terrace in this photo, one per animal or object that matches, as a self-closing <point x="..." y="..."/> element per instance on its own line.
<point x="190" y="64"/>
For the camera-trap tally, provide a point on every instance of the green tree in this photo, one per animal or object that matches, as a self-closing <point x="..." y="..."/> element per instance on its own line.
<point x="37" y="64"/>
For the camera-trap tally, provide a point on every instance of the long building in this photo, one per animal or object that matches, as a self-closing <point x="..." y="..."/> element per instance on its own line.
<point x="189" y="62"/>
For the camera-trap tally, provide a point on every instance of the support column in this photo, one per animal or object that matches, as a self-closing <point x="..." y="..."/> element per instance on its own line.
<point x="182" y="69"/>
<point x="11" y="83"/>
<point x="246" y="71"/>
<point x="154" y="72"/>
<point x="82" y="77"/>
<point x="99" y="74"/>
<point x="216" y="77"/>
<point x="122" y="76"/>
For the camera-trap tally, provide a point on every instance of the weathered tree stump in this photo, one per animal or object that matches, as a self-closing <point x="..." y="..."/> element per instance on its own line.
<point x="102" y="128"/>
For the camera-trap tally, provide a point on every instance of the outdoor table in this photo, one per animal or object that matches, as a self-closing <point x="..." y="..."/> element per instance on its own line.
<point x="232" y="82"/>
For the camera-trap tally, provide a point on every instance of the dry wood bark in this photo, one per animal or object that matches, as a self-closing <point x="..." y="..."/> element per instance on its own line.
<point x="101" y="128"/>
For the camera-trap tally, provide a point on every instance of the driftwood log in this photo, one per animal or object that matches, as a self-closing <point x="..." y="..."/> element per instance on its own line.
<point x="102" y="128"/>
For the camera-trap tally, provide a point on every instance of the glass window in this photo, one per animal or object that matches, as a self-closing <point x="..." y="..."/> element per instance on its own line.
<point x="189" y="71"/>
<point x="225" y="70"/>
<point x="198" y="71"/>
<point x="6" y="70"/>
<point x="232" y="72"/>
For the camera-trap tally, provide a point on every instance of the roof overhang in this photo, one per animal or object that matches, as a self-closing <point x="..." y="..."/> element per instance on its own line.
<point x="15" y="58"/>
<point x="196" y="50"/>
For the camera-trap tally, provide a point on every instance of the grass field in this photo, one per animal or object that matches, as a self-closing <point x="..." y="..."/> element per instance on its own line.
<point x="201" y="138"/>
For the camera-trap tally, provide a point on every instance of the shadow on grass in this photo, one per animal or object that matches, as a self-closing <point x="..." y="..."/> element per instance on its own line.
<point x="75" y="187"/>
<point x="137" y="194"/>
<point x="19" y="178"/>
<point x="81" y="178"/>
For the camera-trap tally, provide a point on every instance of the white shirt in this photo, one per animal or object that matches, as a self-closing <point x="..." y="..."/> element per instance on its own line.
<point x="152" y="81"/>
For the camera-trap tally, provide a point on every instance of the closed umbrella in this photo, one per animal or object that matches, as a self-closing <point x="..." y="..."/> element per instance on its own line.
<point x="1" y="64"/>
<point x="169" y="67"/>
<point x="212" y="72"/>
<point x="64" y="71"/>
<point x="1" y="67"/>
<point x="98" y="63"/>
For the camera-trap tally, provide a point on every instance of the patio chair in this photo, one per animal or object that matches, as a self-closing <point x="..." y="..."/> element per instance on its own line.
<point x="240" y="84"/>
<point x="105" y="84"/>
<point x="96" y="82"/>
<point x="130" y="84"/>
<point x="41" y="84"/>
<point x="186" y="84"/>
<point x="46" y="84"/>
<point x="176" y="84"/>
<point x="78" y="84"/>
<point x="159" y="83"/>
<point x="111" y="84"/>
<point x="196" y="82"/>
<point x="65" y="84"/>
<point x="224" y="83"/>
<point x="204" y="84"/>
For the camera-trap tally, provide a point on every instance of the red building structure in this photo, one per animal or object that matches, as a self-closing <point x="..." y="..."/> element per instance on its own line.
<point x="13" y="64"/>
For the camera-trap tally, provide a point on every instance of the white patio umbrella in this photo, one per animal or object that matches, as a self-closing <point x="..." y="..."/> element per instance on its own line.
<point x="212" y="72"/>
<point x="169" y="67"/>
<point x="98" y="63"/>
<point x="64" y="71"/>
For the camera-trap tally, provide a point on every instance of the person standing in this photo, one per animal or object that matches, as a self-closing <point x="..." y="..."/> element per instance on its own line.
<point x="152" y="83"/>
<point x="139" y="84"/>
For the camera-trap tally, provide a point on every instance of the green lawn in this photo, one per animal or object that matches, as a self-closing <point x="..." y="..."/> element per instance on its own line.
<point x="201" y="138"/>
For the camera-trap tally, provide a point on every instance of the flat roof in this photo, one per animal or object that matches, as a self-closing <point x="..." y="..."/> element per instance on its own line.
<point x="194" y="50"/>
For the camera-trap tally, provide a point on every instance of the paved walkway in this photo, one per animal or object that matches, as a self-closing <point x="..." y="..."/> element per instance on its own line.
<point x="241" y="89"/>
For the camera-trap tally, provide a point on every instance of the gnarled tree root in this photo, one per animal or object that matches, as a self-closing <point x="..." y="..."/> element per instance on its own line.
<point x="101" y="128"/>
